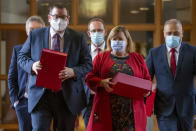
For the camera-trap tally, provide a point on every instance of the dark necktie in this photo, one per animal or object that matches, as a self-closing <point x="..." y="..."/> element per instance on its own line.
<point x="173" y="61"/>
<point x="98" y="50"/>
<point x="57" y="42"/>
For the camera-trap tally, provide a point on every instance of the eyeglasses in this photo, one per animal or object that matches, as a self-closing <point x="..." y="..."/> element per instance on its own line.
<point x="97" y="30"/>
<point x="64" y="17"/>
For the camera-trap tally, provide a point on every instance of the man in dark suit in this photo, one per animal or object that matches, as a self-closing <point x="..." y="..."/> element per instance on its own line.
<point x="17" y="80"/>
<point x="174" y="65"/>
<point x="63" y="105"/>
<point x="96" y="32"/>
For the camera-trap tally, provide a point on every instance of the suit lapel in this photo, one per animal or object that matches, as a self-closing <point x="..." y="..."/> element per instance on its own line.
<point x="46" y="38"/>
<point x="165" y="59"/>
<point x="67" y="41"/>
<point x="180" y="58"/>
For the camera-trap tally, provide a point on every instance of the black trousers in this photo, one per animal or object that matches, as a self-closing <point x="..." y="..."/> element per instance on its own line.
<point x="52" y="105"/>
<point x="88" y="110"/>
<point x="24" y="118"/>
<point x="174" y="122"/>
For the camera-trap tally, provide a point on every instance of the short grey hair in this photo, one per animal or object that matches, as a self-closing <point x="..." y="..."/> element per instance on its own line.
<point x="173" y="21"/>
<point x="34" y="19"/>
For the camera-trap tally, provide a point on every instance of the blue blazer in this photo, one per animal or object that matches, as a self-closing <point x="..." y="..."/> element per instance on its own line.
<point x="17" y="78"/>
<point x="178" y="91"/>
<point x="78" y="59"/>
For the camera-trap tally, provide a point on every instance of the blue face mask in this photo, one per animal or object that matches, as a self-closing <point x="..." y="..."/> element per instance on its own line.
<point x="118" y="46"/>
<point x="172" y="41"/>
<point x="97" y="37"/>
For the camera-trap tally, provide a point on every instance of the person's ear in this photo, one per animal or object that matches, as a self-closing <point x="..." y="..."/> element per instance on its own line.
<point x="89" y="33"/>
<point x="68" y="19"/>
<point x="105" y="32"/>
<point x="49" y="18"/>
<point x="182" y="34"/>
<point x="27" y="31"/>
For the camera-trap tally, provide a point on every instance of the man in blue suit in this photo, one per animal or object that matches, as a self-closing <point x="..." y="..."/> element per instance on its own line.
<point x="174" y="65"/>
<point x="63" y="106"/>
<point x="17" y="80"/>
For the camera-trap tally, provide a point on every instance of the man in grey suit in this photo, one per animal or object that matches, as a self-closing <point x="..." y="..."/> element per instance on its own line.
<point x="174" y="65"/>
<point x="18" y="80"/>
<point x="44" y="104"/>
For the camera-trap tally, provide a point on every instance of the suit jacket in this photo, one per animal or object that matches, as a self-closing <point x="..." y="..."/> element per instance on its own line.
<point x="17" y="78"/>
<point x="178" y="91"/>
<point x="100" y="118"/>
<point x="78" y="59"/>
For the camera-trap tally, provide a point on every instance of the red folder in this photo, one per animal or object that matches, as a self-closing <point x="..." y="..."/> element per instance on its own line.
<point x="52" y="63"/>
<point x="130" y="86"/>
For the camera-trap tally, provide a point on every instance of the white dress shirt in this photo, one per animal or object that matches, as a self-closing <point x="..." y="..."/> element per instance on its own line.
<point x="93" y="50"/>
<point x="176" y="54"/>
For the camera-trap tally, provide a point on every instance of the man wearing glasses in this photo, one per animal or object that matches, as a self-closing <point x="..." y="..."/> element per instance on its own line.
<point x="96" y="32"/>
<point x="63" y="106"/>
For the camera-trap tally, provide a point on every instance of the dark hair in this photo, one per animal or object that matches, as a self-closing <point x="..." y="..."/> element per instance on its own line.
<point x="96" y="19"/>
<point x="58" y="6"/>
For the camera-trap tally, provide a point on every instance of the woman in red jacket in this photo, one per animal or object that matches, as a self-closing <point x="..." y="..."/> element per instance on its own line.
<point x="112" y="112"/>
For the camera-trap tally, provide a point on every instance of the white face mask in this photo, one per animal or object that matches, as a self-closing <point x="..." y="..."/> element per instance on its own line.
<point x="118" y="46"/>
<point x="97" y="37"/>
<point x="172" y="41"/>
<point x="58" y="24"/>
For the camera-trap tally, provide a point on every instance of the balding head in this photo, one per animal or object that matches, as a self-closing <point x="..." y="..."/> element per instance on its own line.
<point x="34" y="22"/>
<point x="173" y="21"/>
<point x="173" y="27"/>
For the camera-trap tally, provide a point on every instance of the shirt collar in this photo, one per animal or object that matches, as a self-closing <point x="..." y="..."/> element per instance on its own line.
<point x="177" y="48"/>
<point x="53" y="33"/>
<point x="102" y="47"/>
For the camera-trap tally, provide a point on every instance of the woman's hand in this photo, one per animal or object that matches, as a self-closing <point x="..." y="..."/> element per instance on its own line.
<point x="147" y="94"/>
<point x="106" y="84"/>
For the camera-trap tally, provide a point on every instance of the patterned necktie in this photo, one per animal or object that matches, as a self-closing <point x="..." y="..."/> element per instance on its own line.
<point x="98" y="50"/>
<point x="57" y="42"/>
<point x="173" y="61"/>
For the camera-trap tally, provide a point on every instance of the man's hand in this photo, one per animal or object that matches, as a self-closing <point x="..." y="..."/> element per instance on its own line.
<point x="36" y="66"/>
<point x="66" y="73"/>
<point x="106" y="84"/>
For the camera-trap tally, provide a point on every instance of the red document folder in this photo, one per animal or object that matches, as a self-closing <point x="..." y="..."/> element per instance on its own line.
<point x="130" y="86"/>
<point x="52" y="63"/>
